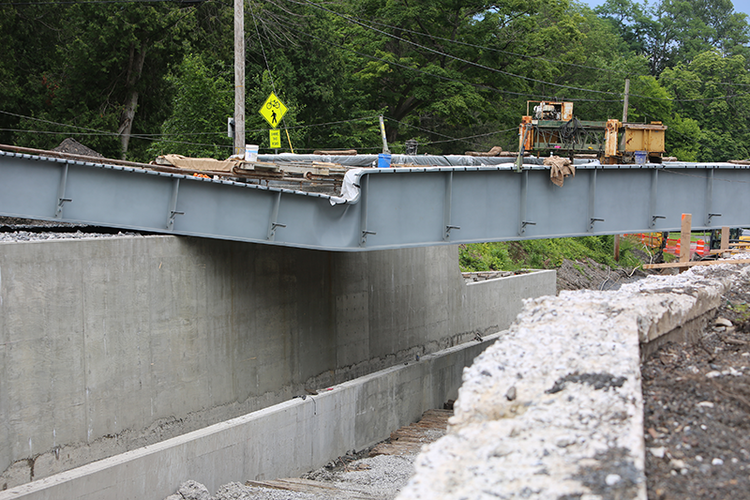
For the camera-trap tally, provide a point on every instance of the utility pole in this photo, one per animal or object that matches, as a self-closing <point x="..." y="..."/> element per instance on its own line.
<point x="239" y="77"/>
<point x="622" y="147"/>
<point x="625" y="112"/>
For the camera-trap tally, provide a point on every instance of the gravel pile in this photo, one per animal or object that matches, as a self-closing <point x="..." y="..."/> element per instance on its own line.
<point x="554" y="408"/>
<point x="13" y="229"/>
<point x="17" y="236"/>
<point x="376" y="478"/>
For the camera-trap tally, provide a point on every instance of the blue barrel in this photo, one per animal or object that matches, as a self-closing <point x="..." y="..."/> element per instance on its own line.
<point x="640" y="157"/>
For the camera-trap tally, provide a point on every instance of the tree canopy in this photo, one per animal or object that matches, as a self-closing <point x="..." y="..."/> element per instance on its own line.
<point x="138" y="79"/>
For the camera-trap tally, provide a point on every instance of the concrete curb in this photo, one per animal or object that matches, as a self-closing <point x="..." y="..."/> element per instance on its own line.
<point x="554" y="408"/>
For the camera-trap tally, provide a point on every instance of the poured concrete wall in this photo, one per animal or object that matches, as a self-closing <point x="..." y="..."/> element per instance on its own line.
<point x="284" y="440"/>
<point x="110" y="344"/>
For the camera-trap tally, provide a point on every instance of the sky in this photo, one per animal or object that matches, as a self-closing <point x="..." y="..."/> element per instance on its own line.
<point x="739" y="5"/>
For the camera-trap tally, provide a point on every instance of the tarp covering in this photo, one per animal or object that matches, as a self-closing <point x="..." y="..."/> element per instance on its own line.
<point x="418" y="160"/>
<point x="209" y="164"/>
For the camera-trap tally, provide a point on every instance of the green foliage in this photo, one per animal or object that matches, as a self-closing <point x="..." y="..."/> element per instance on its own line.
<point x="707" y="89"/>
<point x="544" y="254"/>
<point x="197" y="131"/>
<point x="486" y="257"/>
<point x="455" y="76"/>
<point x="670" y="32"/>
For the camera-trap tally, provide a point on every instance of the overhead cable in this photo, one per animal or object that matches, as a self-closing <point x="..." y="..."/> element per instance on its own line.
<point x="456" y="80"/>
<point x="466" y="61"/>
<point x="539" y="58"/>
<point x="495" y="70"/>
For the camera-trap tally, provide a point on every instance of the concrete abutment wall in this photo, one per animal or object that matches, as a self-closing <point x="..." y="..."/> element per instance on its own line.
<point x="107" y="345"/>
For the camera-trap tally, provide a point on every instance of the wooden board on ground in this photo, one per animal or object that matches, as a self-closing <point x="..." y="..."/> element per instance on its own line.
<point x="697" y="263"/>
<point x="409" y="440"/>
<point x="309" y="486"/>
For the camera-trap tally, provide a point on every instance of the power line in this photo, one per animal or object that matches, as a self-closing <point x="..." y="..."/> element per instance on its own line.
<point x="153" y="137"/>
<point x="457" y="42"/>
<point x="525" y="56"/>
<point x="364" y="118"/>
<point x="495" y="70"/>
<point x="94" y="134"/>
<point x="419" y="128"/>
<point x="514" y="129"/>
<point x="449" y="138"/>
<point x="75" y="2"/>
<point x="456" y="80"/>
<point x="466" y="61"/>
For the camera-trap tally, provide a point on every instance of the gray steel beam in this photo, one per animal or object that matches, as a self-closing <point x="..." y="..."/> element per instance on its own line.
<point x="395" y="208"/>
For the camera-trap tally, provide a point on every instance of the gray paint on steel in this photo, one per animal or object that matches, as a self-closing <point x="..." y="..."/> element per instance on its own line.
<point x="397" y="208"/>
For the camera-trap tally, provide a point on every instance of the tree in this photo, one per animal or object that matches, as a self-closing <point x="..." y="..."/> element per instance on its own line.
<point x="673" y="31"/>
<point x="194" y="130"/>
<point x="713" y="91"/>
<point x="105" y="64"/>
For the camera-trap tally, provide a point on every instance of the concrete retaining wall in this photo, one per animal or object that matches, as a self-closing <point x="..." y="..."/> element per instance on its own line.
<point x="107" y="345"/>
<point x="284" y="440"/>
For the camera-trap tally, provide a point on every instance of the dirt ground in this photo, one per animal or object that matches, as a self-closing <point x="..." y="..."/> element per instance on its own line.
<point x="696" y="398"/>
<point x="591" y="275"/>
<point x="697" y="410"/>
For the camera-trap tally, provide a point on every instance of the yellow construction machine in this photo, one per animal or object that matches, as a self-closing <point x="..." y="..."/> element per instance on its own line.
<point x="551" y="128"/>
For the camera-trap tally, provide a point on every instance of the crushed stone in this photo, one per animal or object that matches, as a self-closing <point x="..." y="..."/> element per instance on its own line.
<point x="374" y="478"/>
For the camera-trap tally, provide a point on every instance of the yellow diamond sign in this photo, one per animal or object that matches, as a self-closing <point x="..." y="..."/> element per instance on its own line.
<point x="273" y="110"/>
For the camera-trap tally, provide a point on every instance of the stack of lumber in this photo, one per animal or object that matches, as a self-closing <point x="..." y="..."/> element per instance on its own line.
<point x="301" y="174"/>
<point x="312" y="173"/>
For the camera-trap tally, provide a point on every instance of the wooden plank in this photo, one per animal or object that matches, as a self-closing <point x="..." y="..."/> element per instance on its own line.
<point x="292" y="484"/>
<point x="336" y="152"/>
<point x="262" y="165"/>
<point x="305" y="169"/>
<point x="698" y="263"/>
<point x="729" y="250"/>
<point x="317" y="488"/>
<point x="617" y="248"/>
<point x="394" y="449"/>
<point x="685" y="230"/>
<point x="724" y="237"/>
